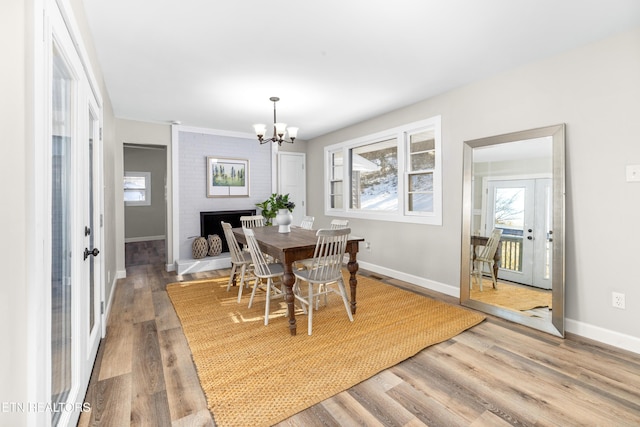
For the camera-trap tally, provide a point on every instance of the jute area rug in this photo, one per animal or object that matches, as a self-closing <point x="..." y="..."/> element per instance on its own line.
<point x="257" y="375"/>
<point x="519" y="298"/>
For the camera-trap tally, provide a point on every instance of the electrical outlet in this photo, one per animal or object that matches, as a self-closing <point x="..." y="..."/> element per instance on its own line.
<point x="367" y="246"/>
<point x="617" y="300"/>
<point x="633" y="173"/>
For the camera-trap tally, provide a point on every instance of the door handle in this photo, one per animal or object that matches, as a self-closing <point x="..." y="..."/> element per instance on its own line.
<point x="88" y="252"/>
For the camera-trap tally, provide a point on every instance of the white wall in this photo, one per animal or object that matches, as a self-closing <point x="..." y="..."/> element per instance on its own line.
<point x="595" y="90"/>
<point x="14" y="221"/>
<point x="194" y="147"/>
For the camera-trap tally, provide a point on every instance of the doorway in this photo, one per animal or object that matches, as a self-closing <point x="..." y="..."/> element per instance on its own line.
<point x="145" y="199"/>
<point x="522" y="208"/>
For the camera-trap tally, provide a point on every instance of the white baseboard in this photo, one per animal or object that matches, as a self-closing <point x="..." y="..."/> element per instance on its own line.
<point x="170" y="267"/>
<point x="443" y="288"/>
<point x="596" y="333"/>
<point x="121" y="274"/>
<point x="605" y="336"/>
<point x="107" y="309"/>
<point x="143" y="239"/>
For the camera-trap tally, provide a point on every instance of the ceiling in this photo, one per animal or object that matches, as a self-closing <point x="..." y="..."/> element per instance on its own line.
<point x="333" y="63"/>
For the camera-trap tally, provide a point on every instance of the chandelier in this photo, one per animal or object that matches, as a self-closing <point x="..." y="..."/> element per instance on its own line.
<point x="279" y="129"/>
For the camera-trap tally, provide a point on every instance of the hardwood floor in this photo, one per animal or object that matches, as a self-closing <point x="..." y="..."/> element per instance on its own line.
<point x="145" y="252"/>
<point x="494" y="374"/>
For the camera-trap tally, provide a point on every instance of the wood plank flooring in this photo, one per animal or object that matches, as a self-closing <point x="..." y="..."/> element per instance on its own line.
<point x="495" y="374"/>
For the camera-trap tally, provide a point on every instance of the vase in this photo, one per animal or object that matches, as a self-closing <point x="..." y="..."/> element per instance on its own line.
<point x="215" y="245"/>
<point x="284" y="220"/>
<point x="199" y="248"/>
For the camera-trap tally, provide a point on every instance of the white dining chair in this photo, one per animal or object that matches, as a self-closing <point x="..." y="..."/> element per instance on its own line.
<point x="307" y="222"/>
<point x="264" y="270"/>
<point x="487" y="257"/>
<point x="239" y="260"/>
<point x="339" y="223"/>
<point x="326" y="269"/>
<point x="336" y="224"/>
<point x="252" y="221"/>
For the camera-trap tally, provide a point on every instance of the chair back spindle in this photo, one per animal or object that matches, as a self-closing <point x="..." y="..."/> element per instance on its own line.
<point x="252" y="221"/>
<point x="337" y="224"/>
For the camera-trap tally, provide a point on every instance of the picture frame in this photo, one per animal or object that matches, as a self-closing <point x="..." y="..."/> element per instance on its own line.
<point x="227" y="177"/>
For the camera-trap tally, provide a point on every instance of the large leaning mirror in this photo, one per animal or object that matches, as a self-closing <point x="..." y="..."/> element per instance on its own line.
<point x="513" y="227"/>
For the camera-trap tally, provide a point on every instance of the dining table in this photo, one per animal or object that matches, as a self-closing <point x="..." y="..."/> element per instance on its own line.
<point x="296" y="245"/>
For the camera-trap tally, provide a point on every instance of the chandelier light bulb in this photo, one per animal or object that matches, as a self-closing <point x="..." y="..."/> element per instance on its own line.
<point x="293" y="133"/>
<point x="281" y="128"/>
<point x="260" y="130"/>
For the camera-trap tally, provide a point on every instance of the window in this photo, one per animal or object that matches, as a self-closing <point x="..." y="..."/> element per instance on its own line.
<point x="137" y="188"/>
<point x="374" y="176"/>
<point x="421" y="166"/>
<point x="335" y="179"/>
<point x="393" y="175"/>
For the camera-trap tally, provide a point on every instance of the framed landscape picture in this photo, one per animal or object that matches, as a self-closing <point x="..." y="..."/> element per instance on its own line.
<point x="227" y="177"/>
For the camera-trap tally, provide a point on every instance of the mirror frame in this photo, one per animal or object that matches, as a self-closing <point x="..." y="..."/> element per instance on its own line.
<point x="557" y="132"/>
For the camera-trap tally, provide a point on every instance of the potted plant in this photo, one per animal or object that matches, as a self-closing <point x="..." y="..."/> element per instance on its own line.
<point x="278" y="206"/>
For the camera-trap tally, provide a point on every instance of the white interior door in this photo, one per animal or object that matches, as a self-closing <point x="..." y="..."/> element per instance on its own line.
<point x="92" y="274"/>
<point x="292" y="181"/>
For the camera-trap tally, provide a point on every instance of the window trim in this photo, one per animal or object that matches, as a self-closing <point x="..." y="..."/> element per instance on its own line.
<point x="402" y="214"/>
<point x="147" y="189"/>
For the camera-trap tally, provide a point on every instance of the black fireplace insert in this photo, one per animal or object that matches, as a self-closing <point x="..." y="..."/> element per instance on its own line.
<point x="210" y="223"/>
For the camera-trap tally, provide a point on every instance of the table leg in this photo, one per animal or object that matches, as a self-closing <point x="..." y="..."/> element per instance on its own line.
<point x="289" y="279"/>
<point x="352" y="266"/>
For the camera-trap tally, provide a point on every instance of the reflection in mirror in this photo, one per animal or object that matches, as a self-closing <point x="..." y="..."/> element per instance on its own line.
<point x="513" y="227"/>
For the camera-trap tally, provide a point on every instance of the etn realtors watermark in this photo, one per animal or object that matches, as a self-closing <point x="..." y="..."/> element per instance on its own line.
<point x="52" y="407"/>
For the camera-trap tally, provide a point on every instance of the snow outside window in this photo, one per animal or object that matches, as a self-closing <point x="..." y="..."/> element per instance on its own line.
<point x="374" y="176"/>
<point x="393" y="175"/>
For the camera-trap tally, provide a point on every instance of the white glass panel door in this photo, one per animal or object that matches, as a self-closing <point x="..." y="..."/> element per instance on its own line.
<point x="522" y="209"/>
<point x="543" y="237"/>
<point x="73" y="184"/>
<point x="511" y="208"/>
<point x="63" y="279"/>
